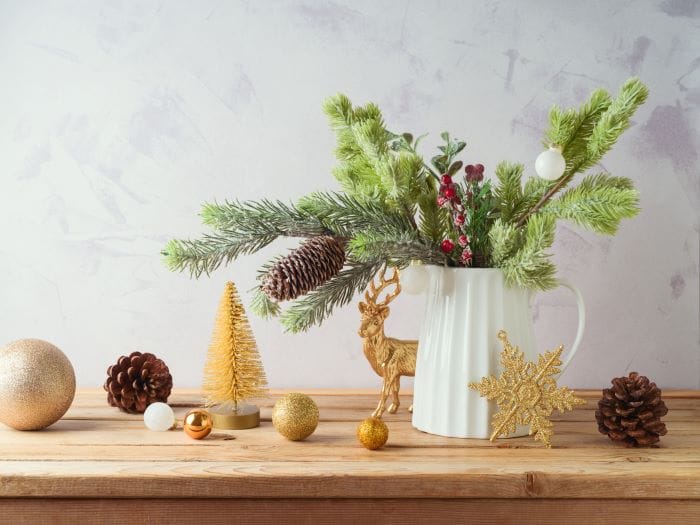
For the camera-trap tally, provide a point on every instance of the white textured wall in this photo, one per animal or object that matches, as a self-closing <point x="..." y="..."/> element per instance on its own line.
<point x="117" y="119"/>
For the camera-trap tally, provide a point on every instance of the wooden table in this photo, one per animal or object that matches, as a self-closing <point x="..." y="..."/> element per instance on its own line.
<point x="100" y="465"/>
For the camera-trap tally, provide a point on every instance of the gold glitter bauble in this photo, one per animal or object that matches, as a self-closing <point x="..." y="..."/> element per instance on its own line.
<point x="197" y="423"/>
<point x="372" y="433"/>
<point x="37" y="384"/>
<point x="295" y="416"/>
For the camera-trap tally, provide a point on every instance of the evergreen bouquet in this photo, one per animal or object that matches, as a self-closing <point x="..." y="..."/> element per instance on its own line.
<point x="394" y="209"/>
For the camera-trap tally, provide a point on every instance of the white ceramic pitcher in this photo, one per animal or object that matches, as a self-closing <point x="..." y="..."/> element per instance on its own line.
<point x="458" y="344"/>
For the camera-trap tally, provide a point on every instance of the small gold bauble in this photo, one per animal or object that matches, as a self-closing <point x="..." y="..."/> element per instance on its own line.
<point x="197" y="423"/>
<point x="295" y="416"/>
<point x="37" y="384"/>
<point x="372" y="433"/>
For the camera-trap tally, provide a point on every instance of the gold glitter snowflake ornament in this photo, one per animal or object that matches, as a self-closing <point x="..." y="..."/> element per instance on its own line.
<point x="526" y="393"/>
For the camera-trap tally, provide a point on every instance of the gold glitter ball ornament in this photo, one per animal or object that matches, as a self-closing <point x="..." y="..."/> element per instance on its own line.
<point x="526" y="393"/>
<point x="37" y="384"/>
<point x="197" y="423"/>
<point x="372" y="433"/>
<point x="295" y="416"/>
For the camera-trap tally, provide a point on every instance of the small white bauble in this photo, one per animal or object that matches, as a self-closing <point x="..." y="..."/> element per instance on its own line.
<point x="550" y="164"/>
<point x="414" y="279"/>
<point x="159" y="417"/>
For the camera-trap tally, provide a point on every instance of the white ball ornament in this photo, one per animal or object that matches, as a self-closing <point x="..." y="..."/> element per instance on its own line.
<point x="159" y="417"/>
<point x="550" y="164"/>
<point x="414" y="279"/>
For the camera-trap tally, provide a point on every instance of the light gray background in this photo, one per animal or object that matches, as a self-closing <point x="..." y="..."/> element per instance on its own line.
<point x="118" y="119"/>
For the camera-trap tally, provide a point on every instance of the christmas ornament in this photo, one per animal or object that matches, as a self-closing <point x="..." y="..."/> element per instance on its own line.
<point x="136" y="381"/>
<point x="197" y="423"/>
<point x="159" y="417"/>
<point x="630" y="412"/>
<point x="233" y="372"/>
<point x="526" y="393"/>
<point x="37" y="384"/>
<point x="414" y="278"/>
<point x="316" y="261"/>
<point x="295" y="416"/>
<point x="550" y="164"/>
<point x="372" y="433"/>
<point x="390" y="358"/>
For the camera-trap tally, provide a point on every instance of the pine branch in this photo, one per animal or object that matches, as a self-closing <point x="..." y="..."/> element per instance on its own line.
<point x="244" y="228"/>
<point x="369" y="164"/>
<point x="529" y="266"/>
<point x="616" y="119"/>
<point x="549" y="193"/>
<point x="598" y="138"/>
<point x="361" y="141"/>
<point x="252" y="217"/>
<point x="400" y="176"/>
<point x="395" y="247"/>
<point x="316" y="306"/>
<point x="434" y="222"/>
<point x="357" y="177"/>
<point x="504" y="239"/>
<point x="480" y="214"/>
<point x="599" y="203"/>
<point x="347" y="214"/>
<point x="570" y="130"/>
<point x="339" y="111"/>
<point x="203" y="256"/>
<point x="262" y="306"/>
<point x="371" y="138"/>
<point x="509" y="191"/>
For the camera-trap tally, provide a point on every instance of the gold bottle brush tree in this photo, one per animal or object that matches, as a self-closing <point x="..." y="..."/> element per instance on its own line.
<point x="234" y="372"/>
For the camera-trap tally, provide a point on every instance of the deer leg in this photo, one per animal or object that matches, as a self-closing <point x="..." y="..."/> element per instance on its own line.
<point x="382" y="399"/>
<point x="395" y="386"/>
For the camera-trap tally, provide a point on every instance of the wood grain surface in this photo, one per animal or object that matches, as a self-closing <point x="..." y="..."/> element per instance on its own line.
<point x="97" y="458"/>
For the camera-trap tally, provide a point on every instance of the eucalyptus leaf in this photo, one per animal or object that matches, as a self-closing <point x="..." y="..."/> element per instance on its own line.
<point x="418" y="139"/>
<point x="440" y="163"/>
<point x="454" y="167"/>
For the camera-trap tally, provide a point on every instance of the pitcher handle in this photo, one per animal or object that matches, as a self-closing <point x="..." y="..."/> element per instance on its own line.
<point x="581" y="321"/>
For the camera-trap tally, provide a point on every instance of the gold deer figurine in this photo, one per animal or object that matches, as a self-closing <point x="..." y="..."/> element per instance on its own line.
<point x="390" y="358"/>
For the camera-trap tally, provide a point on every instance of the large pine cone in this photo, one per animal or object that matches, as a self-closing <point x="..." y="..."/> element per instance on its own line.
<point x="630" y="411"/>
<point x="316" y="261"/>
<point x="136" y="381"/>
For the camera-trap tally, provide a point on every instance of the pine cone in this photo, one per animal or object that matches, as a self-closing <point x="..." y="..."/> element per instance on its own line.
<point x="631" y="411"/>
<point x="316" y="261"/>
<point x="136" y="381"/>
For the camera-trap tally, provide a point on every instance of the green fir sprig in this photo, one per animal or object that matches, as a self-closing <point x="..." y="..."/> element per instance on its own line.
<point x="387" y="211"/>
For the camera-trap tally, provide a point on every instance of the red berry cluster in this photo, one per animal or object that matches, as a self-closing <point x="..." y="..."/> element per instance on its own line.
<point x="449" y="197"/>
<point x="475" y="172"/>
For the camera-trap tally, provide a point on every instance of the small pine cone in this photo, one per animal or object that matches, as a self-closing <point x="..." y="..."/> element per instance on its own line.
<point x="630" y="412"/>
<point x="136" y="381"/>
<point x="316" y="261"/>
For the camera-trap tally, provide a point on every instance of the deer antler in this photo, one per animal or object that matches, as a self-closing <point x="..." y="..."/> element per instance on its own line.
<point x="383" y="283"/>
